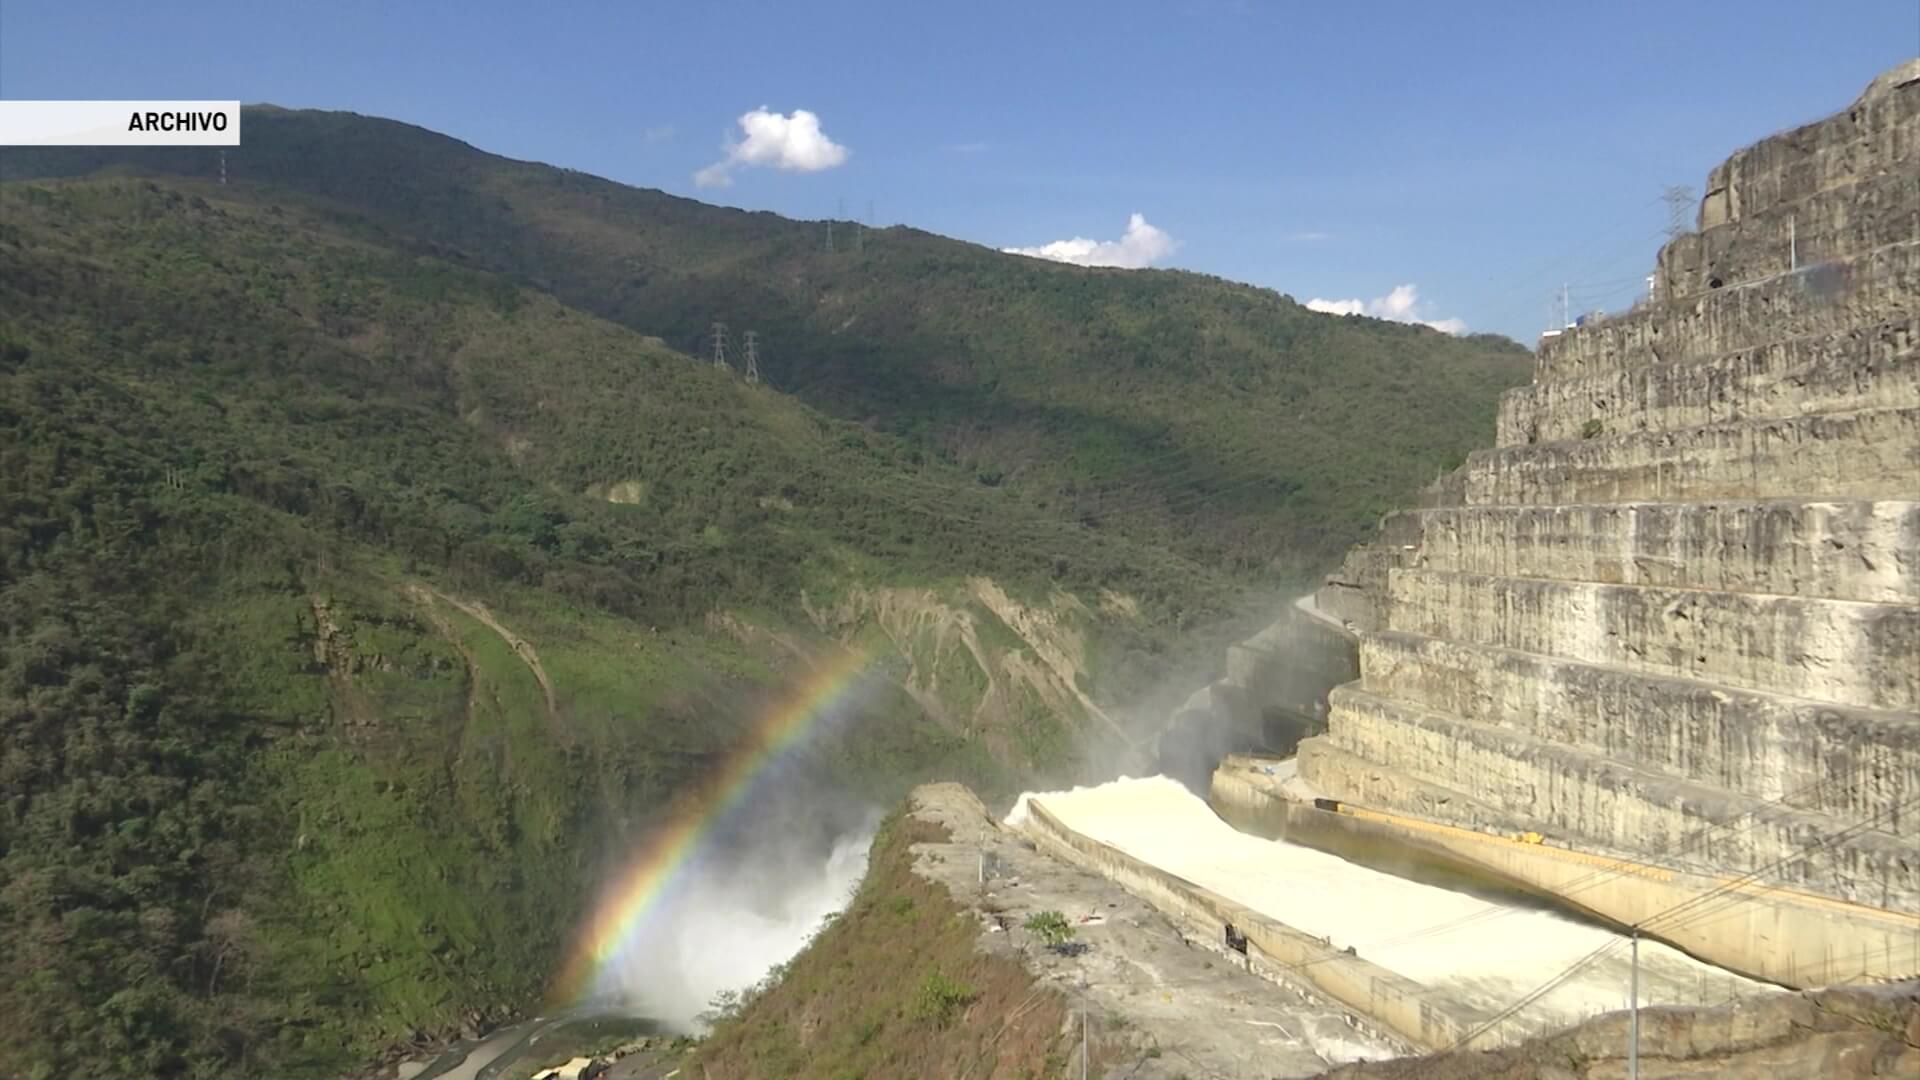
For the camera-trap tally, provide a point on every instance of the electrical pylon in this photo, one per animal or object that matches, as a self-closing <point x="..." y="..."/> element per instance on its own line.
<point x="753" y="356"/>
<point x="719" y="334"/>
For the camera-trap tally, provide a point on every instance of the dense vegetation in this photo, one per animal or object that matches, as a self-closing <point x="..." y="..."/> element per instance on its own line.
<point x="266" y="780"/>
<point x="372" y="566"/>
<point x="1221" y="420"/>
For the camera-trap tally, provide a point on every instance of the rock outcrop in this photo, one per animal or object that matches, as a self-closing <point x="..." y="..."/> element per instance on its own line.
<point x="1675" y="613"/>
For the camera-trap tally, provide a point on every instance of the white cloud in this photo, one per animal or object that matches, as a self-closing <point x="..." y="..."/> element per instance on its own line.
<point x="659" y="134"/>
<point x="1140" y="246"/>
<point x="793" y="143"/>
<point x="1403" y="304"/>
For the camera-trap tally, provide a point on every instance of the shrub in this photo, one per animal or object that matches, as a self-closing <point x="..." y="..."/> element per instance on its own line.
<point x="1051" y="927"/>
<point x="939" y="997"/>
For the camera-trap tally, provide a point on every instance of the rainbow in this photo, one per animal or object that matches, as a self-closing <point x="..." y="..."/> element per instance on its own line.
<point x="648" y="879"/>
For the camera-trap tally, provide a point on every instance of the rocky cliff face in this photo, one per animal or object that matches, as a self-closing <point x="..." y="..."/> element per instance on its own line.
<point x="1675" y="612"/>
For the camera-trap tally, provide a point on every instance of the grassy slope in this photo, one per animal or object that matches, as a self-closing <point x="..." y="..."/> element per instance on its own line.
<point x="893" y="987"/>
<point x="1219" y="419"/>
<point x="269" y="797"/>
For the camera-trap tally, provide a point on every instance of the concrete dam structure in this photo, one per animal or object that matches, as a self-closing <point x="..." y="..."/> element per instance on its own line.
<point x="1667" y="631"/>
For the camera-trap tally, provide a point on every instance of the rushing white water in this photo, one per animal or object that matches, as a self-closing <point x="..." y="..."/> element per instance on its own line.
<point x="731" y="922"/>
<point x="1473" y="950"/>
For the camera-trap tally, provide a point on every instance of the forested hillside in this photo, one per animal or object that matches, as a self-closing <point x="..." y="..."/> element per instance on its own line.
<point x="273" y="785"/>
<point x="374" y="561"/>
<point x="1219" y="419"/>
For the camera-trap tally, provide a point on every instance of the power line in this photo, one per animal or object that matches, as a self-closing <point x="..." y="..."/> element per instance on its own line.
<point x="1705" y="902"/>
<point x="1505" y="287"/>
<point x="1504" y="298"/>
<point x="1553" y="983"/>
<point x="1598" y="877"/>
<point x="1578" y="885"/>
<point x="1679" y="200"/>
<point x="1699" y="901"/>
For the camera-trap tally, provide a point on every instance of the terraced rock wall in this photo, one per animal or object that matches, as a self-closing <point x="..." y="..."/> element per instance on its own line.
<point x="1675" y="612"/>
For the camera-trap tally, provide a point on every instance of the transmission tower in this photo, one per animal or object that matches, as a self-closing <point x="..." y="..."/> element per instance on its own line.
<point x="719" y="334"/>
<point x="1679" y="200"/>
<point x="1559" y="310"/>
<point x="753" y="356"/>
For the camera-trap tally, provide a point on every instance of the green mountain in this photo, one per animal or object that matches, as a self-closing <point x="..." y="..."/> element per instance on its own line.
<point x="1214" y="418"/>
<point x="375" y="563"/>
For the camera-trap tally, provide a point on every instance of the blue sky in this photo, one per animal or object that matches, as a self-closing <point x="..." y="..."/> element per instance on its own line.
<point x="1482" y="153"/>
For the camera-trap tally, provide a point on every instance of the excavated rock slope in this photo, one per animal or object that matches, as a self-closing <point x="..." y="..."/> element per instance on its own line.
<point x="1675" y="612"/>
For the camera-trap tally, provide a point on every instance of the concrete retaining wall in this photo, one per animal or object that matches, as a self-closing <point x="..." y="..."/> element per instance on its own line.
<point x="1397" y="1003"/>
<point x="1788" y="938"/>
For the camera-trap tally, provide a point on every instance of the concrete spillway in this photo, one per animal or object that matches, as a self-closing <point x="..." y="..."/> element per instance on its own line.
<point x="1455" y="955"/>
